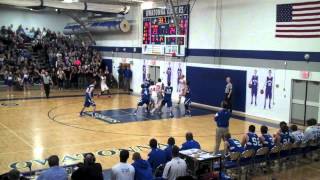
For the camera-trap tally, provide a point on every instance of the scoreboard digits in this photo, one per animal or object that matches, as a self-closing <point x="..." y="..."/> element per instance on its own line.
<point x="159" y="22"/>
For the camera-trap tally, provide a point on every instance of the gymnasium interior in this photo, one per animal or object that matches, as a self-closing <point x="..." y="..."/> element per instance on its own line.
<point x="269" y="49"/>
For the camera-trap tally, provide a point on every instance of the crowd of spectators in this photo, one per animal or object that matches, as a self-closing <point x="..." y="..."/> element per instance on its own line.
<point x="70" y="62"/>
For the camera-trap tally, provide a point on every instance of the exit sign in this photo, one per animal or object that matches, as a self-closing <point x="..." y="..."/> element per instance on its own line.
<point x="305" y="74"/>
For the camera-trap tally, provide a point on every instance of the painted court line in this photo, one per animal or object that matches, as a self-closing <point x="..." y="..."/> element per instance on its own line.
<point x="15" y="134"/>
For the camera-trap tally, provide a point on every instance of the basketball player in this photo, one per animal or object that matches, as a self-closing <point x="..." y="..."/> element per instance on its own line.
<point x="228" y="94"/>
<point x="231" y="144"/>
<point x="159" y="90"/>
<point x="268" y="84"/>
<point x="25" y="79"/>
<point x="145" y="98"/>
<point x="103" y="84"/>
<point x="167" y="100"/>
<point x="182" y="86"/>
<point x="89" y="99"/>
<point x="266" y="139"/>
<point x="169" y="72"/>
<point x="251" y="139"/>
<point x="254" y="87"/>
<point x="153" y="94"/>
<point x="187" y="100"/>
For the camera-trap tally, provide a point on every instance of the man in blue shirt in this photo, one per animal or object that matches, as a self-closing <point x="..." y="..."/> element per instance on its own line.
<point x="222" y="119"/>
<point x="54" y="172"/>
<point x="143" y="170"/>
<point x="127" y="78"/>
<point x="168" y="149"/>
<point x="190" y="143"/>
<point x="156" y="156"/>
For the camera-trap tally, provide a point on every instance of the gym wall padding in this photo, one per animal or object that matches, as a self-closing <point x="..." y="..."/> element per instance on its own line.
<point x="208" y="85"/>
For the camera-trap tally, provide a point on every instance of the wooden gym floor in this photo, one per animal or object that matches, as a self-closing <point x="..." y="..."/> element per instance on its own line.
<point x="32" y="128"/>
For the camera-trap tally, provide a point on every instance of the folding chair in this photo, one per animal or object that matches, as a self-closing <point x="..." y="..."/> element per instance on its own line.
<point x="285" y="153"/>
<point x="232" y="162"/>
<point x="261" y="157"/>
<point x="274" y="155"/>
<point x="246" y="160"/>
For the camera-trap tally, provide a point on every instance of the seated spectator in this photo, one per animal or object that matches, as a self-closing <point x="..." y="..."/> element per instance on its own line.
<point x="13" y="174"/>
<point x="296" y="134"/>
<point x="231" y="145"/>
<point x="123" y="170"/>
<point x="312" y="132"/>
<point x="176" y="167"/>
<point x="190" y="143"/>
<point x="89" y="169"/>
<point x="251" y="139"/>
<point x="143" y="170"/>
<point x="156" y="156"/>
<point x="284" y="136"/>
<point x="266" y="139"/>
<point x="54" y="172"/>
<point x="168" y="150"/>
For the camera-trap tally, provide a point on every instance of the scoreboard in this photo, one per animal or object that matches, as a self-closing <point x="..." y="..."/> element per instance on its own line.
<point x="160" y="34"/>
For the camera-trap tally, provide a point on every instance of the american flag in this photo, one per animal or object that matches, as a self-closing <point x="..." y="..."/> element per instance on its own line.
<point x="298" y="20"/>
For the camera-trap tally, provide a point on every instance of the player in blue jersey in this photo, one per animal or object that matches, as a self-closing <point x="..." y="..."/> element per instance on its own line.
<point x="266" y="139"/>
<point x="167" y="99"/>
<point x="251" y="139"/>
<point x="231" y="145"/>
<point x="89" y="99"/>
<point x="269" y="86"/>
<point x="284" y="136"/>
<point x="254" y="87"/>
<point x="145" y="98"/>
<point x="187" y="99"/>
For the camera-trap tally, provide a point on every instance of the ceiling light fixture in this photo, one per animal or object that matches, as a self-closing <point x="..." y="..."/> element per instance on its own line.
<point x="70" y="1"/>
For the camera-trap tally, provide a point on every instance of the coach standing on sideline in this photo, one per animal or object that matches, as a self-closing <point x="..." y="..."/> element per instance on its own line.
<point x="228" y="94"/>
<point x="46" y="83"/>
<point x="222" y="119"/>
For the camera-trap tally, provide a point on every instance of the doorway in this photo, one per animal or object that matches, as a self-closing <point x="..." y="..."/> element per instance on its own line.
<point x="304" y="101"/>
<point x="154" y="72"/>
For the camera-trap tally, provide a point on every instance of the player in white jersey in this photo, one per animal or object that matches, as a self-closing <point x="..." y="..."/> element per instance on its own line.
<point x="296" y="134"/>
<point x="153" y="93"/>
<point x="182" y="86"/>
<point x="159" y="87"/>
<point x="103" y="85"/>
<point x="312" y="132"/>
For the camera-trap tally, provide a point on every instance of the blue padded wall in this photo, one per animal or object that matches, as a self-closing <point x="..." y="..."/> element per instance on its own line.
<point x="208" y="85"/>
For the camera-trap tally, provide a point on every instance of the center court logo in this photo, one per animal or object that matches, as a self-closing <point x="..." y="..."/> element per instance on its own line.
<point x="78" y="157"/>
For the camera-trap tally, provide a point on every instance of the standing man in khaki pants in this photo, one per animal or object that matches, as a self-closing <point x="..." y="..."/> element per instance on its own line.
<point x="222" y="119"/>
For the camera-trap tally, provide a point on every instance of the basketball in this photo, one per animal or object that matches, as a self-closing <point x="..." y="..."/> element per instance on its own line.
<point x="250" y="85"/>
<point x="261" y="91"/>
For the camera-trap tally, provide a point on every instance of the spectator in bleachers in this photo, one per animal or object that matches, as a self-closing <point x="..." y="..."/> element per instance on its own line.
<point x="251" y="139"/>
<point x="176" y="167"/>
<point x="123" y="170"/>
<point x="168" y="149"/>
<point x="143" y="170"/>
<point x="157" y="156"/>
<point x="296" y="134"/>
<point x="284" y="136"/>
<point x="89" y="169"/>
<point x="231" y="144"/>
<point x="266" y="139"/>
<point x="190" y="142"/>
<point x="54" y="172"/>
<point x="312" y="132"/>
